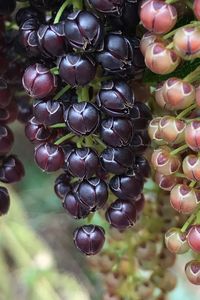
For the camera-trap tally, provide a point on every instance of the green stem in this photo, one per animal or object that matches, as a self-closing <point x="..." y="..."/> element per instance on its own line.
<point x="58" y="125"/>
<point x="179" y="149"/>
<point x="98" y="140"/>
<point x="83" y="94"/>
<point x="171" y="1"/>
<point x="54" y="70"/>
<point x="186" y="111"/>
<point x="64" y="138"/>
<point x="170" y="46"/>
<point x="61" y="10"/>
<point x="180" y="175"/>
<point x="189" y="221"/>
<point x="189" y="4"/>
<point x="193" y="76"/>
<point x="64" y="90"/>
<point x="192" y="184"/>
<point x="89" y="141"/>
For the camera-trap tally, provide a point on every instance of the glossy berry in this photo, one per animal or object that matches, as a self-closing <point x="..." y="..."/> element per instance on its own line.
<point x="196" y="9"/>
<point x="172" y="130"/>
<point x="48" y="112"/>
<point x="6" y="8"/>
<point x="117" y="160"/>
<point x="140" y="115"/>
<point x="81" y="162"/>
<point x="51" y="39"/>
<point x="139" y="203"/>
<point x="76" y="69"/>
<point x="116" y="132"/>
<point x="193" y="238"/>
<point x="5" y="94"/>
<point x="25" y="110"/>
<point x="4" y="201"/>
<point x="83" y="30"/>
<point x="158" y="16"/>
<point x="121" y="214"/>
<point x="126" y="186"/>
<point x="9" y="113"/>
<point x="191" y="167"/>
<point x="6" y="140"/>
<point x="117" y="54"/>
<point x="89" y="239"/>
<point x="11" y="169"/>
<point x="49" y="157"/>
<point x="140" y="141"/>
<point x="26" y="13"/>
<point x="115" y="98"/>
<point x="175" y="241"/>
<point x="38" y="81"/>
<point x="62" y="185"/>
<point x="92" y="193"/>
<point x="74" y="207"/>
<point x="164" y="162"/>
<point x="82" y="118"/>
<point x="107" y="6"/>
<point x="192" y="271"/>
<point x="186" y="42"/>
<point x="166" y="183"/>
<point x="161" y="60"/>
<point x="36" y="132"/>
<point x="28" y="36"/>
<point x="192" y="135"/>
<point x="141" y="166"/>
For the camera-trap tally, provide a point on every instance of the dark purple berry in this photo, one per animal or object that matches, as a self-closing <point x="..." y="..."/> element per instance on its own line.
<point x="11" y="170"/>
<point x="25" y="109"/>
<point x="51" y="39"/>
<point x="126" y="186"/>
<point x="76" y="69"/>
<point x="7" y="7"/>
<point x="28" y="37"/>
<point x="49" y="157"/>
<point x="82" y="118"/>
<point x="141" y="115"/>
<point x="117" y="160"/>
<point x="81" y="162"/>
<point x="89" y="239"/>
<point x="48" y="112"/>
<point x="142" y="166"/>
<point x="36" y="132"/>
<point x="140" y="141"/>
<point x="116" y="132"/>
<point x="4" y="201"/>
<point x="121" y="214"/>
<point x="115" y="98"/>
<point x="107" y="6"/>
<point x="27" y="13"/>
<point x="62" y="185"/>
<point x="5" y="94"/>
<point x="74" y="207"/>
<point x="83" y="30"/>
<point x="117" y="54"/>
<point x="6" y="140"/>
<point x="9" y="113"/>
<point x="38" y="81"/>
<point x="92" y="193"/>
<point x="139" y="203"/>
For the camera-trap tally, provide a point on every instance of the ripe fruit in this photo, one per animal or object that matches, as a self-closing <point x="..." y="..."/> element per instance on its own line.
<point x="158" y="16"/>
<point x="121" y="214"/>
<point x="6" y="140"/>
<point x="89" y="239"/>
<point x="5" y="94"/>
<point x="107" y="6"/>
<point x="62" y="185"/>
<point x="11" y="169"/>
<point x="193" y="238"/>
<point x="73" y="206"/>
<point x="38" y="81"/>
<point x="4" y="201"/>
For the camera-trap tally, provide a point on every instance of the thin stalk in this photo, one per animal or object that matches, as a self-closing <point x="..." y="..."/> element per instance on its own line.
<point x="189" y="221"/>
<point x="64" y="90"/>
<point x="186" y="111"/>
<point x="100" y="142"/>
<point x="179" y="149"/>
<point x="180" y="175"/>
<point x="64" y="138"/>
<point x="193" y="76"/>
<point x="58" y="125"/>
<point x="192" y="184"/>
<point x="61" y="10"/>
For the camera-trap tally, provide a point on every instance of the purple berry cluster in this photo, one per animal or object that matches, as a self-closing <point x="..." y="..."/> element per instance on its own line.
<point x="87" y="121"/>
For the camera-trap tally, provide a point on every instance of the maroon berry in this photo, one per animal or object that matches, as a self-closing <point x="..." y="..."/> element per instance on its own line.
<point x="4" y="201"/>
<point x="5" y="94"/>
<point x="36" y="132"/>
<point x="121" y="214"/>
<point x="38" y="81"/>
<point x="193" y="238"/>
<point x="11" y="170"/>
<point x="192" y="271"/>
<point x="6" y="140"/>
<point x="73" y="206"/>
<point x="49" y="157"/>
<point x="62" y="185"/>
<point x="89" y="239"/>
<point x="9" y="113"/>
<point x="107" y="6"/>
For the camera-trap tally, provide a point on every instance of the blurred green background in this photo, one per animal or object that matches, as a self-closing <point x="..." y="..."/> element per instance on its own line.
<point x="38" y="260"/>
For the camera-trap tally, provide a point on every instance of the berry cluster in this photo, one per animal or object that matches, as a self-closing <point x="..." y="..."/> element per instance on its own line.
<point x="175" y="131"/>
<point x="87" y="119"/>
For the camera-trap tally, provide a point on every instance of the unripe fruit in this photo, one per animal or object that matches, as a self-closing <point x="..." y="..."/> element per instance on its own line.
<point x="196" y="9"/>
<point x="172" y="130"/>
<point x="175" y="241"/>
<point x="161" y="60"/>
<point x="175" y="94"/>
<point x="193" y="238"/>
<point x="184" y="199"/>
<point x="166" y="183"/>
<point x="148" y="39"/>
<point x="164" y="162"/>
<point x="191" y="167"/>
<point x="192" y="135"/>
<point x="187" y="42"/>
<point x="89" y="239"/>
<point x="166" y="281"/>
<point x="192" y="271"/>
<point x="154" y="132"/>
<point x="158" y="16"/>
